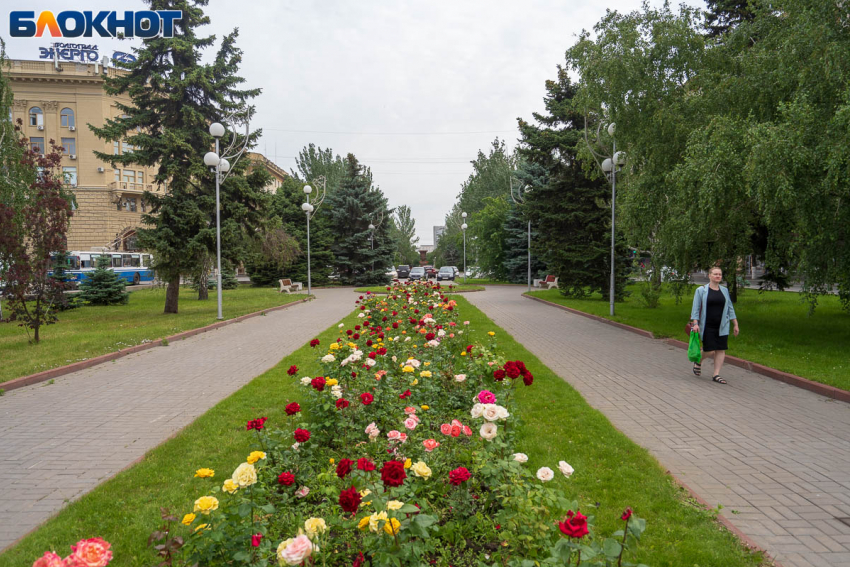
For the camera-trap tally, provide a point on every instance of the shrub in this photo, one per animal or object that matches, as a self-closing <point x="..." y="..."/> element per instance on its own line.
<point x="103" y="286"/>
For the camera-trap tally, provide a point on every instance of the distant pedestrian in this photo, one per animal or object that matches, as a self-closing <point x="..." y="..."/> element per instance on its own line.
<point x="711" y="313"/>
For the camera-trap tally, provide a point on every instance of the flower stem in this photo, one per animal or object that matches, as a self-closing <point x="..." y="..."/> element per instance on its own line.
<point x="623" y="545"/>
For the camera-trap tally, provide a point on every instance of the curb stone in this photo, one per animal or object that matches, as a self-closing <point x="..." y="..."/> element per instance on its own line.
<point x="786" y="377"/>
<point x="82" y="365"/>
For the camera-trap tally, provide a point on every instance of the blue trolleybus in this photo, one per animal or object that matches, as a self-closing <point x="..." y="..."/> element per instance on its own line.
<point x="135" y="267"/>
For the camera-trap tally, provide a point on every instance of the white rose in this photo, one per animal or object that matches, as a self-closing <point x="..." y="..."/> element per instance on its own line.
<point x="460" y="377"/>
<point x="306" y="380"/>
<point x="545" y="474"/>
<point x="521" y="457"/>
<point x="341" y="325"/>
<point x="489" y="431"/>
<point x="326" y="358"/>
<point x="503" y="412"/>
<point x="361" y="315"/>
<point x="370" y="363"/>
<point x="477" y="410"/>
<point x="434" y="343"/>
<point x="491" y="412"/>
<point x="565" y="468"/>
<point x="245" y="475"/>
<point x="441" y="333"/>
<point x="395" y="359"/>
<point x="406" y="339"/>
<point x="295" y="446"/>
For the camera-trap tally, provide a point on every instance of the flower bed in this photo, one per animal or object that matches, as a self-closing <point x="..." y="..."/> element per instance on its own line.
<point x="406" y="459"/>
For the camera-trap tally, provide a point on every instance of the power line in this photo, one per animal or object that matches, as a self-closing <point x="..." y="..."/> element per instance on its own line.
<point x="459" y="133"/>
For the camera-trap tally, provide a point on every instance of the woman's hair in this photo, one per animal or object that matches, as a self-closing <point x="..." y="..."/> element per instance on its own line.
<point x="715" y="268"/>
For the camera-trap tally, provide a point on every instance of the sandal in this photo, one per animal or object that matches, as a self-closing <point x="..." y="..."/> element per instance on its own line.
<point x="697" y="369"/>
<point x="719" y="380"/>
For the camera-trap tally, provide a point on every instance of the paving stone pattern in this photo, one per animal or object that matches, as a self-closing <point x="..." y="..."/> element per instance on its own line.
<point x="775" y="456"/>
<point x="58" y="441"/>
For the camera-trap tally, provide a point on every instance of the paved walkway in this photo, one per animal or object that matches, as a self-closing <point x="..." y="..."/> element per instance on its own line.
<point x="777" y="455"/>
<point x="59" y="441"/>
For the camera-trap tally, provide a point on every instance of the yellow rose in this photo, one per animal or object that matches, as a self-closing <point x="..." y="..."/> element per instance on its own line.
<point x="188" y="519"/>
<point x="407" y="368"/>
<point x="408" y="463"/>
<point x="420" y="469"/>
<point x="332" y="461"/>
<point x="363" y="523"/>
<point x="395" y="504"/>
<point x="427" y="363"/>
<point x="335" y="346"/>
<point x="415" y="382"/>
<point x="363" y="494"/>
<point x="374" y="526"/>
<point x="463" y="353"/>
<point x="255" y="456"/>
<point x="314" y="527"/>
<point x="229" y="486"/>
<point x="425" y="407"/>
<point x="245" y="475"/>
<point x="491" y="333"/>
<point x="392" y="526"/>
<point x="332" y="382"/>
<point x="204" y="473"/>
<point x="202" y="527"/>
<point x="425" y="374"/>
<point x="206" y="504"/>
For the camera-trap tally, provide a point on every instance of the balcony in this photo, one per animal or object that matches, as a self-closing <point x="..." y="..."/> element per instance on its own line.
<point x="128" y="187"/>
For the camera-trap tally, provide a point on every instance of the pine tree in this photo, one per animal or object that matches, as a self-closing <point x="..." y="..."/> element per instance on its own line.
<point x="516" y="249"/>
<point x="724" y="15"/>
<point x="174" y="98"/>
<point x="103" y="286"/>
<point x="570" y="211"/>
<point x="351" y="208"/>
<point x="63" y="301"/>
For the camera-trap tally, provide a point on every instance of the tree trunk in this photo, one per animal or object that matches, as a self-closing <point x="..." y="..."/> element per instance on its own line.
<point x="203" y="288"/>
<point x="172" y="295"/>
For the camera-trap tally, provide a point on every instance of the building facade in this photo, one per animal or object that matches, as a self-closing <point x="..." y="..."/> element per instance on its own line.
<point x="438" y="232"/>
<point x="57" y="101"/>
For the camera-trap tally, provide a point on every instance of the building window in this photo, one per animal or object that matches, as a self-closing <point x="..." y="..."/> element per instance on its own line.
<point x="70" y="175"/>
<point x="117" y="175"/>
<point x="66" y="118"/>
<point x="144" y="205"/>
<point x="36" y="116"/>
<point x="116" y="148"/>
<point x="140" y="177"/>
<point x="129" y="176"/>
<point x="69" y="145"/>
<point x="128" y="148"/>
<point x="37" y="145"/>
<point x="130" y="204"/>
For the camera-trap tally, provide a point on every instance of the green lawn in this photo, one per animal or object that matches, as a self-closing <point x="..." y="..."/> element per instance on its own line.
<point x="776" y="329"/>
<point x="455" y="287"/>
<point x="91" y="331"/>
<point x="557" y="424"/>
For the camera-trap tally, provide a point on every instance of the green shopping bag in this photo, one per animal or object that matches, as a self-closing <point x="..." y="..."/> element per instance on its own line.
<point x="694" y="347"/>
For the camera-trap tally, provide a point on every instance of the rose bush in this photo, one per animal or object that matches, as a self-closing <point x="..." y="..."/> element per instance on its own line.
<point x="405" y="456"/>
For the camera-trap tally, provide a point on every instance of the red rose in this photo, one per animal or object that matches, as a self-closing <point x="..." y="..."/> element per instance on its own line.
<point x="256" y="539"/>
<point x="359" y="560"/>
<point x="318" y="383"/>
<point x="286" y="478"/>
<point x="366" y="398"/>
<point x="527" y="378"/>
<point x="406" y="394"/>
<point x="292" y="370"/>
<point x="342" y="403"/>
<point x="314" y="343"/>
<point x="365" y="464"/>
<point x="395" y="325"/>
<point x="430" y="337"/>
<point x="458" y="476"/>
<point x="382" y="351"/>
<point x="349" y="332"/>
<point x="344" y="467"/>
<point x="627" y="514"/>
<point x="575" y="525"/>
<point x="372" y="355"/>
<point x="369" y="342"/>
<point x="354" y="374"/>
<point x="521" y="365"/>
<point x="392" y="473"/>
<point x="301" y="435"/>
<point x="349" y="500"/>
<point x="258" y="423"/>
<point x="356" y="336"/>
<point x="469" y="348"/>
<point x="292" y="408"/>
<point x="499" y="375"/>
<point x="395" y="313"/>
<point x="356" y="327"/>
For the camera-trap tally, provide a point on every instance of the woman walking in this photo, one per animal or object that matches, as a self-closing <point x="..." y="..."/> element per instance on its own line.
<point x="711" y="314"/>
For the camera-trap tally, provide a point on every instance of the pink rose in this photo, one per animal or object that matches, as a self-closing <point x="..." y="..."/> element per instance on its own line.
<point x="302" y="492"/>
<point x="467" y="431"/>
<point x="92" y="552"/>
<point x="414" y="418"/>
<point x="297" y="551"/>
<point x="372" y="430"/>
<point x="403" y="437"/>
<point x="486" y="397"/>
<point x="393" y="435"/>
<point x="49" y="559"/>
<point x="410" y="423"/>
<point x="456" y="423"/>
<point x="452" y="335"/>
<point x="430" y="444"/>
<point x="445" y="429"/>
<point x="409" y="410"/>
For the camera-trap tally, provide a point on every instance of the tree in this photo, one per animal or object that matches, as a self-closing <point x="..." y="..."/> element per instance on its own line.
<point x="516" y="248"/>
<point x="723" y="15"/>
<point x="487" y="227"/>
<point x="31" y="231"/>
<point x="351" y="208"/>
<point x="314" y="162"/>
<point x="403" y="233"/>
<point x="569" y="208"/>
<point x="276" y="252"/>
<point x="174" y="98"/>
<point x="61" y="261"/>
<point x="104" y="286"/>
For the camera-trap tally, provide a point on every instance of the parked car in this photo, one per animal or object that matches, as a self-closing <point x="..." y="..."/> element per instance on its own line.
<point x="417" y="273"/>
<point x="457" y="272"/>
<point x="391" y="272"/>
<point x="430" y="272"/>
<point x="403" y="271"/>
<point x="446" y="273"/>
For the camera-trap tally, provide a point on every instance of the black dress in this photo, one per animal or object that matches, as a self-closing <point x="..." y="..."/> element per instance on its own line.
<point x="715" y="305"/>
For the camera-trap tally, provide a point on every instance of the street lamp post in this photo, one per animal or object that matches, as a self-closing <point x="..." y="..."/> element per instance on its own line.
<point x="222" y="165"/>
<point x="463" y="227"/>
<point x="610" y="166"/>
<point x="372" y="239"/>
<point x="310" y="210"/>
<point x="519" y="199"/>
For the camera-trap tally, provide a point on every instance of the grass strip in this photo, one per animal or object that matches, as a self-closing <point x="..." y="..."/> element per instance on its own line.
<point x="557" y="424"/>
<point x="776" y="328"/>
<point x="91" y="331"/>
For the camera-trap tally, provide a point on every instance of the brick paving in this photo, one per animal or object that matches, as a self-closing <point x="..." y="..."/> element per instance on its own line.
<point x="775" y="456"/>
<point x="58" y="441"/>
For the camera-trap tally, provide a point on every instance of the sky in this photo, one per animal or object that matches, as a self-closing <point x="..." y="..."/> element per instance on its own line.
<point x="414" y="89"/>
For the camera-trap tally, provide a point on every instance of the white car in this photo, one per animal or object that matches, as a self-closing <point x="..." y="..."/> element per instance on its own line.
<point x="391" y="272"/>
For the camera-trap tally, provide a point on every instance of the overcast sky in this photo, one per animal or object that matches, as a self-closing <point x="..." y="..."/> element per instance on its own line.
<point x="414" y="89"/>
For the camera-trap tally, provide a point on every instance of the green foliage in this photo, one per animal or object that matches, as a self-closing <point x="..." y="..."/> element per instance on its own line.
<point x="486" y="228"/>
<point x="103" y="286"/>
<point x="63" y="301"/>
<point x="314" y="162"/>
<point x="350" y="210"/>
<point x="403" y="233"/>
<point x="723" y="15"/>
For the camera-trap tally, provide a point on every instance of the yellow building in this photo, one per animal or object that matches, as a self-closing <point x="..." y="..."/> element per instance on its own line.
<point x="56" y="101"/>
<point x="278" y="173"/>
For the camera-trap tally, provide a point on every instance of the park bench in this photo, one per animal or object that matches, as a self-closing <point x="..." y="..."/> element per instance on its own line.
<point x="549" y="283"/>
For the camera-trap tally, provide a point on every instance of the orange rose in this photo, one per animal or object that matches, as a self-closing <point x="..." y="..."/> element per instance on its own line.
<point x="92" y="552"/>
